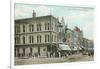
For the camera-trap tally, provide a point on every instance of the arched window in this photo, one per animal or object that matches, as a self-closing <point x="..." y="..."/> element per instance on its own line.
<point x="48" y="26"/>
<point x="17" y="28"/>
<point x="17" y="40"/>
<point x="23" y="39"/>
<point x="39" y="38"/>
<point x="47" y="38"/>
<point x="45" y="26"/>
<point x="38" y="27"/>
<point x="29" y="39"/>
<point x="32" y="27"/>
<point x="32" y="39"/>
<point x="23" y="28"/>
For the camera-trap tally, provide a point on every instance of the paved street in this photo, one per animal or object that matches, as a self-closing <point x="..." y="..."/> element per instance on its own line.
<point x="76" y="58"/>
<point x="72" y="58"/>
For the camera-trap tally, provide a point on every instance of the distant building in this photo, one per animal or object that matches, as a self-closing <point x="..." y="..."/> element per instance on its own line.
<point x="74" y="38"/>
<point x="69" y="37"/>
<point x="61" y="31"/>
<point x="37" y="36"/>
<point x="78" y="37"/>
<point x="85" y="43"/>
<point x="88" y="44"/>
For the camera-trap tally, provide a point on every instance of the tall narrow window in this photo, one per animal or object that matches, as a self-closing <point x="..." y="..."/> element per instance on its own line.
<point x="48" y="26"/>
<point x="32" y="39"/>
<point x="39" y="38"/>
<point x="45" y="38"/>
<point x="17" y="40"/>
<point x="23" y="39"/>
<point x="17" y="29"/>
<point x="52" y="38"/>
<point x="32" y="28"/>
<point x="38" y="27"/>
<point x="45" y="26"/>
<point x="29" y="39"/>
<point x="23" y="28"/>
<point x="48" y="38"/>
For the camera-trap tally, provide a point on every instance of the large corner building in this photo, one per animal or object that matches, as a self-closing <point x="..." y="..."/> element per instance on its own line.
<point x="37" y="36"/>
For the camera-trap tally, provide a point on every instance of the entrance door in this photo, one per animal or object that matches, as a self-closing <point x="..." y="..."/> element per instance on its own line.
<point x="39" y="51"/>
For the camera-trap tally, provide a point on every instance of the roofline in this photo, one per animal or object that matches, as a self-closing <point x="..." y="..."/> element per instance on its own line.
<point x="35" y="17"/>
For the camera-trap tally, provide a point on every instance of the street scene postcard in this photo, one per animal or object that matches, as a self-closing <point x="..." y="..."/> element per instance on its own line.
<point x="52" y="34"/>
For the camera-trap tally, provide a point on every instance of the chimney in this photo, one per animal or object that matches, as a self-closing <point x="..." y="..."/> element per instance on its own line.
<point x="34" y="13"/>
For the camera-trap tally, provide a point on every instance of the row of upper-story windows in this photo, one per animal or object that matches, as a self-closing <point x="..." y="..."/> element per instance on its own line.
<point x="39" y="39"/>
<point x="32" y="27"/>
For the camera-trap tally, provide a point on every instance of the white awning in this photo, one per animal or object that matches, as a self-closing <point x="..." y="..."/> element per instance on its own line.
<point x="64" y="47"/>
<point x="75" y="48"/>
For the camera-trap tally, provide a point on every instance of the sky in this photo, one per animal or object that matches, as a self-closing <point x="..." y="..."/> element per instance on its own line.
<point x="82" y="17"/>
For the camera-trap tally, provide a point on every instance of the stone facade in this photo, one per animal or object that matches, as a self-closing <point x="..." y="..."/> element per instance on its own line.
<point x="36" y="36"/>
